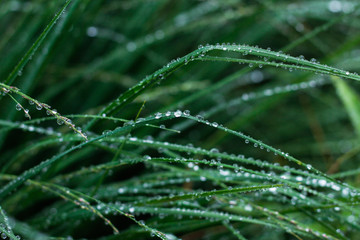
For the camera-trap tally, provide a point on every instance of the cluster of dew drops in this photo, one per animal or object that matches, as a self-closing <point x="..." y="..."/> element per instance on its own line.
<point x="53" y="112"/>
<point x="268" y="54"/>
<point x="4" y="235"/>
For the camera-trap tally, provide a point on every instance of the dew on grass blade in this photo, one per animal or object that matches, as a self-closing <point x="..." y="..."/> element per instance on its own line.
<point x="60" y="121"/>
<point x="92" y="31"/>
<point x="177" y="113"/>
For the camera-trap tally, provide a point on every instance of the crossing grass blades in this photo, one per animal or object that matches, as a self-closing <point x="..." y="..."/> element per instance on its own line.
<point x="179" y="120"/>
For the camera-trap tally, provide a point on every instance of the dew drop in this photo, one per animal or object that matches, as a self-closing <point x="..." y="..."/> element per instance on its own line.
<point x="27" y="113"/>
<point x="5" y="90"/>
<point x="18" y="107"/>
<point x="214" y="150"/>
<point x="178" y="113"/>
<point x="106" y="132"/>
<point x="200" y="117"/>
<point x="60" y="121"/>
<point x="335" y="6"/>
<point x="131" y="46"/>
<point x="215" y="124"/>
<point x="322" y="182"/>
<point x="92" y="31"/>
<point x="158" y="115"/>
<point x="248" y="208"/>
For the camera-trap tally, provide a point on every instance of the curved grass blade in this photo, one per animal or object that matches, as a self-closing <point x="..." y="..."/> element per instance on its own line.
<point x="209" y="193"/>
<point x="25" y="59"/>
<point x="269" y="57"/>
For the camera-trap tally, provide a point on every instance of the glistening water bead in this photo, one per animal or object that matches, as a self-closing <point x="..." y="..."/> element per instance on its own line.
<point x="178" y="113"/>
<point x="60" y="121"/>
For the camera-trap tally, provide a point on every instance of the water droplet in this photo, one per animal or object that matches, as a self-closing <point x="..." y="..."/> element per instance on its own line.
<point x="335" y="6"/>
<point x="18" y="107"/>
<point x="322" y="182"/>
<point x="38" y="107"/>
<point x="128" y="123"/>
<point x="214" y="150"/>
<point x="273" y="190"/>
<point x="158" y="115"/>
<point x="106" y="132"/>
<point x="5" y="90"/>
<point x="248" y="208"/>
<point x="27" y="113"/>
<point x="131" y="46"/>
<point x="178" y="113"/>
<point x="200" y="117"/>
<point x="60" y="121"/>
<point x="92" y="31"/>
<point x="215" y="124"/>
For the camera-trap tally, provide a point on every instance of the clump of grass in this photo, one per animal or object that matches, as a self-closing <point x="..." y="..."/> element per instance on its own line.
<point x="206" y="120"/>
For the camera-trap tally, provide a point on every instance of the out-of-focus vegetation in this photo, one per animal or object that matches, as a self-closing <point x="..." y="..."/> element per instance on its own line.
<point x="144" y="119"/>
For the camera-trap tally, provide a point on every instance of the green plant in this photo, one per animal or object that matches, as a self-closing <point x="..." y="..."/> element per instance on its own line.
<point x="225" y="141"/>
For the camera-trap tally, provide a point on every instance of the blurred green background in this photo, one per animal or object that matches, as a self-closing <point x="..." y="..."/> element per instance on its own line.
<point x="97" y="50"/>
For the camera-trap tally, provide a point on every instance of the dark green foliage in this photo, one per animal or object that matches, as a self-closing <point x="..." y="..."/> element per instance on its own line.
<point x="218" y="119"/>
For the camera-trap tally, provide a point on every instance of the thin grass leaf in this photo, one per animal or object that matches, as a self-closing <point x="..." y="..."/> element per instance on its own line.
<point x="25" y="59"/>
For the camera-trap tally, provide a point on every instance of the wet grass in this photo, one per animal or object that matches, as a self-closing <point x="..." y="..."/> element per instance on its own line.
<point x="179" y="120"/>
